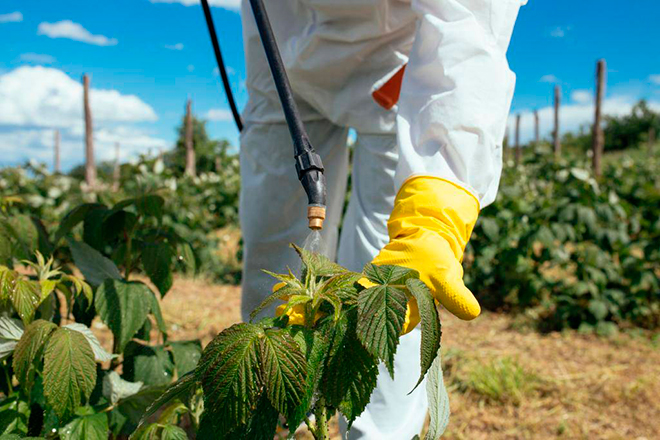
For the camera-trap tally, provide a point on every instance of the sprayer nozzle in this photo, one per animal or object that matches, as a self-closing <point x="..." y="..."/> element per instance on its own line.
<point x="316" y="216"/>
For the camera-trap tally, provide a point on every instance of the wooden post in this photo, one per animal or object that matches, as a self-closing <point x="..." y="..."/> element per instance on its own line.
<point x="190" y="151"/>
<point x="505" y="144"/>
<point x="116" y="172"/>
<point x="651" y="138"/>
<point x="56" y="165"/>
<point x="518" y="148"/>
<point x="537" y="133"/>
<point x="598" y="137"/>
<point x="556" y="134"/>
<point x="90" y="166"/>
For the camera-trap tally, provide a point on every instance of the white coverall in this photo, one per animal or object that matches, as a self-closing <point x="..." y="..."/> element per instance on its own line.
<point x="449" y="122"/>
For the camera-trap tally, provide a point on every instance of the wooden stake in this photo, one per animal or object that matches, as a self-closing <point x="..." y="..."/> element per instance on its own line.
<point x="116" y="172"/>
<point x="506" y="144"/>
<point x="56" y="165"/>
<point x="651" y="137"/>
<point x="556" y="134"/>
<point x="598" y="137"/>
<point x="90" y="166"/>
<point x="190" y="151"/>
<point x="518" y="148"/>
<point x="537" y="134"/>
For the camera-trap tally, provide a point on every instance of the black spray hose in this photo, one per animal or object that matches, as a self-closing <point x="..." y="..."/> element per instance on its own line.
<point x="221" y="64"/>
<point x="308" y="163"/>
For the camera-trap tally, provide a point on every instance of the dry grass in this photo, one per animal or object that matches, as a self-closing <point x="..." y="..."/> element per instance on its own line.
<point x="504" y="383"/>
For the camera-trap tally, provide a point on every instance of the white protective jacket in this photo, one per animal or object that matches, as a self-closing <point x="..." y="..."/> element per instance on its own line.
<point x="456" y="91"/>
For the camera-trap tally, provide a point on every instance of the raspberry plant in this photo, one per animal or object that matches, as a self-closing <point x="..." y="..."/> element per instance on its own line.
<point x="252" y="374"/>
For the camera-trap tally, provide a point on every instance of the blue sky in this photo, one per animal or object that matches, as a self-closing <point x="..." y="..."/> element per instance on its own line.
<point x="146" y="57"/>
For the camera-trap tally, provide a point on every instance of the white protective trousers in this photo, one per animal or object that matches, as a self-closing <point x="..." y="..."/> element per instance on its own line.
<point x="449" y="122"/>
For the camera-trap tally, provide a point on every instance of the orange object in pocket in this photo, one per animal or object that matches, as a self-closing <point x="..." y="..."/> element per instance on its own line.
<point x="388" y="94"/>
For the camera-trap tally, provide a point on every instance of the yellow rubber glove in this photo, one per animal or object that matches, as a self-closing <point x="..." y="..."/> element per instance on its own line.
<point x="429" y="228"/>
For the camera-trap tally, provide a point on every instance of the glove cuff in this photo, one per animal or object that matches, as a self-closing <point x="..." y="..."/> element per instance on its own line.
<point x="436" y="205"/>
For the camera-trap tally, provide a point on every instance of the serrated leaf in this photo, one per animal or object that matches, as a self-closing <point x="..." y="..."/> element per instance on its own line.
<point x="131" y="409"/>
<point x="72" y="218"/>
<point x="350" y="372"/>
<point x="283" y="369"/>
<point x="115" y="388"/>
<point x="319" y="265"/>
<point x="178" y="390"/>
<point x="154" y="309"/>
<point x="157" y="262"/>
<point x="186" y="355"/>
<point x="79" y="286"/>
<point x="262" y="424"/>
<point x="14" y="416"/>
<point x="24" y="294"/>
<point x="315" y="346"/>
<point x="69" y="371"/>
<point x="228" y="372"/>
<point x="431" y="330"/>
<point x="11" y="331"/>
<point x="47" y="287"/>
<point x="95" y="267"/>
<point x="331" y="298"/>
<point x="381" y="313"/>
<point x="29" y="349"/>
<point x="151" y="365"/>
<point x="123" y="307"/>
<point x="100" y="355"/>
<point x="282" y="293"/>
<point x="89" y="427"/>
<point x="343" y="286"/>
<point x="438" y="400"/>
<point x="172" y="432"/>
<point x="385" y="274"/>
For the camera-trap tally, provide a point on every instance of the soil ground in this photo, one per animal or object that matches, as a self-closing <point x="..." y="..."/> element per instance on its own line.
<point x="505" y="382"/>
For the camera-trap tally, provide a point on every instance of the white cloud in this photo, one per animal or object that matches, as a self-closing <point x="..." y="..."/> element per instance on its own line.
<point x="191" y="68"/>
<point x="572" y="117"/>
<point x="73" y="31"/>
<point x="655" y="79"/>
<point x="12" y="17"/>
<point x="42" y="96"/>
<point x="218" y="115"/>
<point x="226" y="4"/>
<point x="36" y="100"/>
<point x="581" y="96"/>
<point x="37" y="58"/>
<point x="177" y="46"/>
<point x="549" y="79"/>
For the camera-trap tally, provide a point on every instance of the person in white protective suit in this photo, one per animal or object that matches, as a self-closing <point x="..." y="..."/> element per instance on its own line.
<point x="427" y="156"/>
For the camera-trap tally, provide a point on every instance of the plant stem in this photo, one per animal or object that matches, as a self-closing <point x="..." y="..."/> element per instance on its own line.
<point x="10" y="388"/>
<point x="321" y="413"/>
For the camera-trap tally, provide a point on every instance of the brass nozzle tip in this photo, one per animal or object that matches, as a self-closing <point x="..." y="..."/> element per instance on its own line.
<point x="316" y="216"/>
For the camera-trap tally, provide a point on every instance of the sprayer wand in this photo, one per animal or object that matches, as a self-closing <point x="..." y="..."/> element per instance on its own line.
<point x="308" y="163"/>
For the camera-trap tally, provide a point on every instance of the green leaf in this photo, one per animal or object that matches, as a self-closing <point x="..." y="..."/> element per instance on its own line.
<point x="131" y="409"/>
<point x="186" y="355"/>
<point x="187" y="256"/>
<point x="115" y="388"/>
<point x="329" y="297"/>
<point x="229" y="374"/>
<point x="599" y="309"/>
<point x="438" y="401"/>
<point x="24" y="294"/>
<point x="89" y="427"/>
<point x="381" y="313"/>
<point x="30" y="349"/>
<point x="124" y="307"/>
<point x="315" y="346"/>
<point x="171" y="432"/>
<point x="100" y="355"/>
<point x="73" y="217"/>
<point x="150" y="205"/>
<point x="350" y="373"/>
<point x="317" y="264"/>
<point x="261" y="424"/>
<point x="283" y="369"/>
<point x="157" y="262"/>
<point x="154" y="309"/>
<point x="343" y="286"/>
<point x="149" y="365"/>
<point x="281" y="293"/>
<point x="431" y="331"/>
<point x="11" y="331"/>
<point x="393" y="275"/>
<point x="95" y="267"/>
<point x="69" y="371"/>
<point x="14" y="416"/>
<point x="178" y="390"/>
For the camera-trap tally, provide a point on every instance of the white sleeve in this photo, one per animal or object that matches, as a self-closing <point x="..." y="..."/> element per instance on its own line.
<point x="456" y="94"/>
